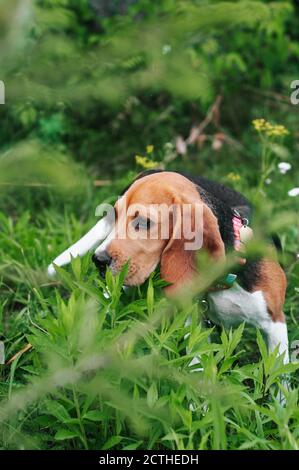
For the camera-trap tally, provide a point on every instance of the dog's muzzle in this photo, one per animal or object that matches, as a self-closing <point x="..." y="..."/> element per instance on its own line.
<point x="102" y="261"/>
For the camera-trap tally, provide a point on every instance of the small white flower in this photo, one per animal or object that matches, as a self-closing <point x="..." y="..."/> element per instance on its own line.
<point x="166" y="49"/>
<point x="294" y="192"/>
<point x="284" y="167"/>
<point x="181" y="146"/>
<point x="268" y="181"/>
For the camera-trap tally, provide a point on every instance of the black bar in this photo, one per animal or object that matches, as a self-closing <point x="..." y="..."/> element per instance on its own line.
<point x="144" y="458"/>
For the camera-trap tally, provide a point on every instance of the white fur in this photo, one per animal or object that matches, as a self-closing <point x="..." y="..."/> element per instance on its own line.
<point x="278" y="335"/>
<point x="82" y="246"/>
<point x="106" y="242"/>
<point x="233" y="306"/>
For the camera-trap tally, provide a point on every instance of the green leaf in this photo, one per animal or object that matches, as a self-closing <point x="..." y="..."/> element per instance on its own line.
<point x="57" y="410"/>
<point x="133" y="446"/>
<point x="112" y="442"/>
<point x="93" y="415"/>
<point x="63" y="434"/>
<point x="262" y="346"/>
<point x="76" y="267"/>
<point x="152" y="395"/>
<point x="150" y="296"/>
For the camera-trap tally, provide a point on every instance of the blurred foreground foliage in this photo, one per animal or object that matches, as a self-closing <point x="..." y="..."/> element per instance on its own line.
<point x="90" y="85"/>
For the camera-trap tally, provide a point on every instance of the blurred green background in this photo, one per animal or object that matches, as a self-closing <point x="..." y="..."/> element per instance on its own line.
<point x="96" y="91"/>
<point x="97" y="81"/>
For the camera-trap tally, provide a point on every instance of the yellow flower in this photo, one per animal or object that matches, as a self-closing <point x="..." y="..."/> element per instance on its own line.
<point x="233" y="177"/>
<point x="277" y="131"/>
<point x="149" y="149"/>
<point x="259" y="124"/>
<point x="271" y="130"/>
<point x="145" y="162"/>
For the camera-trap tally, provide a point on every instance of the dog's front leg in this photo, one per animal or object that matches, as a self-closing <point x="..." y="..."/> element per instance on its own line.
<point x="277" y="335"/>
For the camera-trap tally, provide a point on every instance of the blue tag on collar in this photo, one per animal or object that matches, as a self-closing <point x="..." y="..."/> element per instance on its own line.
<point x="225" y="283"/>
<point x="230" y="279"/>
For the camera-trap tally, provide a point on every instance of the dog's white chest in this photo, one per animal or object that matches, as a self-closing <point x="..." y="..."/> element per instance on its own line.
<point x="233" y="306"/>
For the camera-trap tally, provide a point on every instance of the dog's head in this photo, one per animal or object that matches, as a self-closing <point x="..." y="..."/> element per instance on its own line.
<point x="160" y="219"/>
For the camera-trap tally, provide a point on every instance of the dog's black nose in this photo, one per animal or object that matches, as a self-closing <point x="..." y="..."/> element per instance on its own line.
<point x="102" y="261"/>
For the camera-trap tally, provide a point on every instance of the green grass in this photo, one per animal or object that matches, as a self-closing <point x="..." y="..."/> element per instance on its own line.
<point x="110" y="368"/>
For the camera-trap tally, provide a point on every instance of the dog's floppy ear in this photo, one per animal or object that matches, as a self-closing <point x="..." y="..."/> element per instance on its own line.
<point x="212" y="240"/>
<point x="178" y="263"/>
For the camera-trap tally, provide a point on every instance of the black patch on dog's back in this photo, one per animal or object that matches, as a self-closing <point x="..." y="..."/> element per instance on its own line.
<point x="249" y="274"/>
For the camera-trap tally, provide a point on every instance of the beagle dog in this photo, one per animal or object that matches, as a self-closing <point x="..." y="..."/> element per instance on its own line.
<point x="218" y="214"/>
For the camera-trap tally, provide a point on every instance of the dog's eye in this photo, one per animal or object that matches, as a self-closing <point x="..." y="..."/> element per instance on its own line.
<point x="141" y="223"/>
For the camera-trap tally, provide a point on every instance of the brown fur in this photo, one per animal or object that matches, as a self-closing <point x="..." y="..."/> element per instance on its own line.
<point x="272" y="282"/>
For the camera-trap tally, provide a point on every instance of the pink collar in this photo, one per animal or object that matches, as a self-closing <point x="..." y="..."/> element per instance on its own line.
<point x="238" y="223"/>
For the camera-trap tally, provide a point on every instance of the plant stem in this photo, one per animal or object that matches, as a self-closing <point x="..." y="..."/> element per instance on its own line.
<point x="77" y="406"/>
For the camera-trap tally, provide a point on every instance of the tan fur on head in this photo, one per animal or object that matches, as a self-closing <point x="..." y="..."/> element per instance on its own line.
<point x="177" y="263"/>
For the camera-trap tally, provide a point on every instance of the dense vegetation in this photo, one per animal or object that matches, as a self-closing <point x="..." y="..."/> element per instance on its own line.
<point x="96" y="91"/>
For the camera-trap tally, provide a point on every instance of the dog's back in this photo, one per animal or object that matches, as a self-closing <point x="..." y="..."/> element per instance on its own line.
<point x="219" y="191"/>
